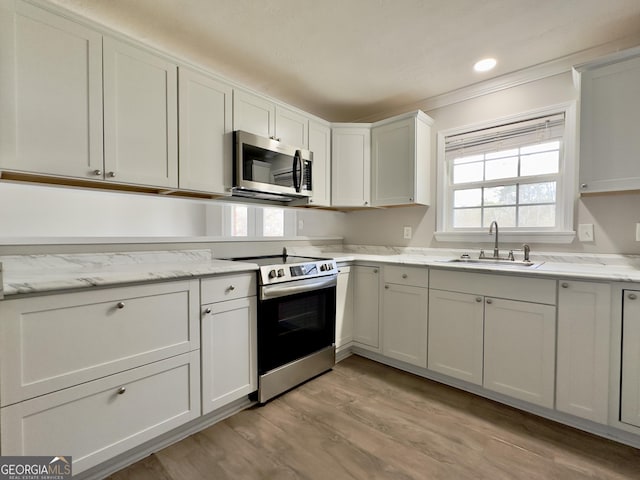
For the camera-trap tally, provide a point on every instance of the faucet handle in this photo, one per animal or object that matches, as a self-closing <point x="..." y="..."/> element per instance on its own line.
<point x="511" y="257"/>
<point x="481" y="254"/>
<point x="527" y="250"/>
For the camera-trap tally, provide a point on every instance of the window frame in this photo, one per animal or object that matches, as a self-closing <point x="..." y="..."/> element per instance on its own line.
<point x="566" y="188"/>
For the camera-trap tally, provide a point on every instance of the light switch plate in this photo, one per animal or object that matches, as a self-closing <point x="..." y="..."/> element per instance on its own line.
<point x="585" y="232"/>
<point x="407" y="233"/>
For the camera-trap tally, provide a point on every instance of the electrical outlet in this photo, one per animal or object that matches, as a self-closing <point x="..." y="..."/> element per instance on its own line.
<point x="407" y="233"/>
<point x="585" y="232"/>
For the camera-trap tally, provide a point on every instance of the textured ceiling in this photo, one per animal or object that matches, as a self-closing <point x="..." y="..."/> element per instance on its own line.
<point x="347" y="59"/>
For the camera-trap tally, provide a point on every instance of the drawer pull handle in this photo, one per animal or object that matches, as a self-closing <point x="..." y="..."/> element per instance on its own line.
<point x="207" y="311"/>
<point x="489" y="301"/>
<point x="404" y="275"/>
<point x="632" y="296"/>
<point x="386" y="287"/>
<point x="565" y="285"/>
<point x="120" y="305"/>
<point x="121" y="390"/>
<point x="231" y="288"/>
<point x="478" y="299"/>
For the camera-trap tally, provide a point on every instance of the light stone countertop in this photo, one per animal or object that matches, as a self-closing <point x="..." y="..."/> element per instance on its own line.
<point x="29" y="274"/>
<point x="44" y="273"/>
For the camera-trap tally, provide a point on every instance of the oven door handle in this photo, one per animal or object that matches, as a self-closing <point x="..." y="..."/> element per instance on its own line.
<point x="268" y="292"/>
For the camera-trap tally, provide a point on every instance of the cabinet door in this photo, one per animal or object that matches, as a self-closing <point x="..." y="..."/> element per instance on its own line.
<point x="320" y="145"/>
<point x="582" y="385"/>
<point x="50" y="93"/>
<point x="344" y="307"/>
<point x="456" y="326"/>
<point x="609" y="140"/>
<point x="519" y="350"/>
<point x="140" y="116"/>
<point x="229" y="352"/>
<point x="366" y="293"/>
<point x="206" y="134"/>
<point x="393" y="156"/>
<point x="404" y="323"/>
<point x="350" y="166"/>
<point x="253" y="114"/>
<point x="292" y="128"/>
<point x="630" y="396"/>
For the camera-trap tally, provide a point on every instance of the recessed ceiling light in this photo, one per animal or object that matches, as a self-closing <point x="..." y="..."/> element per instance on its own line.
<point x="485" y="65"/>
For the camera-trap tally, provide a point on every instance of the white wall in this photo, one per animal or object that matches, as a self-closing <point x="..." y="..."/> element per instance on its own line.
<point x="613" y="216"/>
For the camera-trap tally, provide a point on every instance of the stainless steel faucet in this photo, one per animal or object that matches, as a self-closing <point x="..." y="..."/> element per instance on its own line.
<point x="496" y="252"/>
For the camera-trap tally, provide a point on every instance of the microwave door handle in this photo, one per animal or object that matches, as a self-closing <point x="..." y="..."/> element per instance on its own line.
<point x="297" y="167"/>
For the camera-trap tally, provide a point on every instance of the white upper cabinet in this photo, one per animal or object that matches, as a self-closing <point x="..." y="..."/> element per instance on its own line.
<point x="609" y="140"/>
<point x="253" y="114"/>
<point x="50" y="93"/>
<point x="400" y="160"/>
<point x="320" y="146"/>
<point x="140" y="116"/>
<point x="205" y="114"/>
<point x="351" y="165"/>
<point x="292" y="128"/>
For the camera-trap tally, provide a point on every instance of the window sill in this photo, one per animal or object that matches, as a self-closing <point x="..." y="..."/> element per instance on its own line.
<point x="507" y="237"/>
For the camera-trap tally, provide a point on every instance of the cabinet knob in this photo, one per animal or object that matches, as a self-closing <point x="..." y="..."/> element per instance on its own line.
<point x="97" y="173"/>
<point x="207" y="311"/>
<point x="121" y="390"/>
<point x="404" y="275"/>
<point x="111" y="174"/>
<point x="489" y="301"/>
<point x="478" y="299"/>
<point x="120" y="305"/>
<point x="632" y="296"/>
<point x="375" y="270"/>
<point x="386" y="287"/>
<point x="366" y="203"/>
<point x="565" y="285"/>
<point x="583" y="185"/>
<point x="231" y="288"/>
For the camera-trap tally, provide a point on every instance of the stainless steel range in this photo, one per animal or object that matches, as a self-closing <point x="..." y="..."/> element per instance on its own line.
<point x="296" y="320"/>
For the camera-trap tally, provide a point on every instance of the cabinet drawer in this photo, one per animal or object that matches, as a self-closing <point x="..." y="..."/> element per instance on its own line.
<point x="95" y="421"/>
<point x="57" y="341"/>
<point x="537" y="290"/>
<point x="413" y="276"/>
<point x="227" y="287"/>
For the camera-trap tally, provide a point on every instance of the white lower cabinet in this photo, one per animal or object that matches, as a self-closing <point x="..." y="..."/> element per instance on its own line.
<point x="228" y="332"/>
<point x="584" y="322"/>
<point x="630" y="394"/>
<point x="344" y="307"/>
<point x="404" y="314"/>
<point x="456" y="331"/>
<point x="366" y="293"/>
<point x="97" y="420"/>
<point x="519" y="350"/>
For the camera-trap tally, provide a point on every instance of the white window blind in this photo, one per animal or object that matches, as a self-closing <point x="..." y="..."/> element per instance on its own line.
<point x="511" y="173"/>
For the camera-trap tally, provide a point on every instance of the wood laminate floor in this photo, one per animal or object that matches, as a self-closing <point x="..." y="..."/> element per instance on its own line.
<point x="364" y="420"/>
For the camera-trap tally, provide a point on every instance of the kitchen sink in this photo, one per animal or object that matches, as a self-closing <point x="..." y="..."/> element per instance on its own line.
<point x="494" y="262"/>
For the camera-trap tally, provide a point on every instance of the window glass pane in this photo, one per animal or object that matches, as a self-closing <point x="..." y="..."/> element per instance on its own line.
<point x="239" y="221"/>
<point x="539" y="163"/>
<point x="272" y="222"/>
<point x="538" y="193"/>
<point x="505" y="216"/>
<point x="537" y="216"/>
<point x="502" y="195"/>
<point x="469" y="159"/>
<point x="468" y="172"/>
<point x="503" y="168"/>
<point x="540" y="147"/>
<point x="467" y="218"/>
<point x="471" y="197"/>
<point x="513" y="152"/>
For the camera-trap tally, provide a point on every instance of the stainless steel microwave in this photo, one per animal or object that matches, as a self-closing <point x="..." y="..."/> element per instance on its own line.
<point x="267" y="169"/>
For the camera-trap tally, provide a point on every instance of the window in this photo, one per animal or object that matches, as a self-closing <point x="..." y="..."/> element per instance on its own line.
<point x="248" y="221"/>
<point x="518" y="173"/>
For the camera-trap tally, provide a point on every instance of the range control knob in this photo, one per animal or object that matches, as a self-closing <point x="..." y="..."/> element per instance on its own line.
<point x="272" y="274"/>
<point x="280" y="272"/>
<point x="323" y="267"/>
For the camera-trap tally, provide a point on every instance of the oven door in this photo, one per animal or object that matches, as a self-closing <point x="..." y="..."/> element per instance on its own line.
<point x="295" y="320"/>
